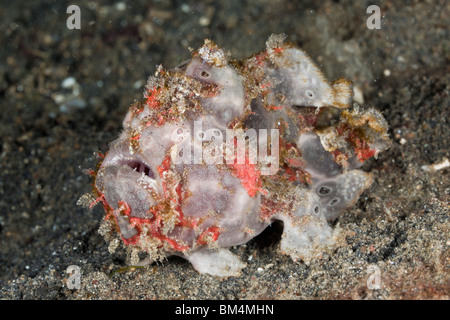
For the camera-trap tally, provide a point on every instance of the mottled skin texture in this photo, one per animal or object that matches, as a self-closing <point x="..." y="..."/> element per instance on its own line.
<point x="166" y="193"/>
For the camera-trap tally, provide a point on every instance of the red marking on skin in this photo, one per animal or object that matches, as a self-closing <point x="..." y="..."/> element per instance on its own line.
<point x="152" y="98"/>
<point x="276" y="107"/>
<point x="111" y="214"/>
<point x="278" y="50"/>
<point x="136" y="137"/>
<point x="101" y="198"/>
<point x="176" y="246"/>
<point x="364" y="152"/>
<point x="153" y="225"/>
<point x="261" y="58"/>
<point x="265" y="88"/>
<point x="162" y="169"/>
<point x="160" y="120"/>
<point x="292" y="169"/>
<point x="288" y="145"/>
<point x="124" y="208"/>
<point x="249" y="175"/>
<point x="361" y="147"/>
<point x="263" y="191"/>
<point x="294" y="162"/>
<point x="296" y="174"/>
<point x="179" y="191"/>
<point x="340" y="157"/>
<point x="213" y="233"/>
<point x="134" y="239"/>
<point x="291" y="174"/>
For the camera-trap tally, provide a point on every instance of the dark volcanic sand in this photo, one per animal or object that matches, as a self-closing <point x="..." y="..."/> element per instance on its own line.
<point x="50" y="133"/>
